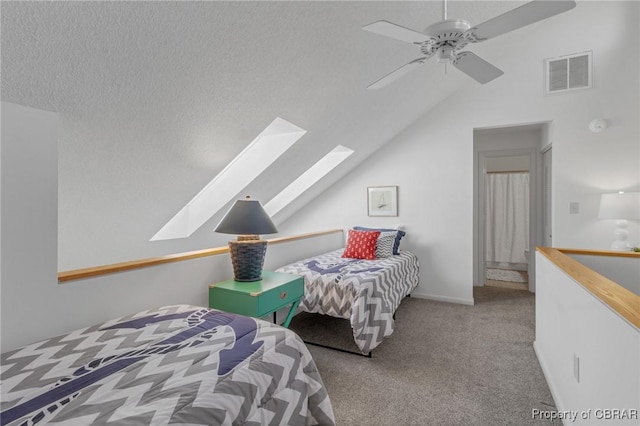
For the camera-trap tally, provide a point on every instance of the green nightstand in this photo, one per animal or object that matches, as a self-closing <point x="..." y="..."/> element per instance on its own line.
<point x="258" y="298"/>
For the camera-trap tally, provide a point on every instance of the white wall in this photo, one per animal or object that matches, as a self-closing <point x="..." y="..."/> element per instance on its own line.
<point x="507" y="164"/>
<point x="623" y="270"/>
<point x="570" y="322"/>
<point x="528" y="136"/>
<point x="587" y="164"/>
<point x="432" y="160"/>
<point x="29" y="224"/>
<point x="40" y="310"/>
<point x="34" y="305"/>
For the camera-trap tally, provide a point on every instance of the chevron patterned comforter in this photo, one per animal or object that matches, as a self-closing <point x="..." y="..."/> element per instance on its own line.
<point x="175" y="365"/>
<point x="366" y="292"/>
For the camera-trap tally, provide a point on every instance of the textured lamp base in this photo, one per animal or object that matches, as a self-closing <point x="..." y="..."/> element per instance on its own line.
<point x="247" y="257"/>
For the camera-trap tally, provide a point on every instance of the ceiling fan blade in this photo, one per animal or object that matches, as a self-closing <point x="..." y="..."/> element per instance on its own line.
<point x="476" y="67"/>
<point x="522" y="16"/>
<point x="398" y="32"/>
<point x="394" y="75"/>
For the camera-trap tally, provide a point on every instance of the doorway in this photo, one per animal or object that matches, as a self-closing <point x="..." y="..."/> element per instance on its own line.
<point x="512" y="157"/>
<point x="506" y="211"/>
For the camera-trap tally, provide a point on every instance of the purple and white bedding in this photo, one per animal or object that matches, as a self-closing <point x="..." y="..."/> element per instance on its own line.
<point x="366" y="292"/>
<point x="173" y="365"/>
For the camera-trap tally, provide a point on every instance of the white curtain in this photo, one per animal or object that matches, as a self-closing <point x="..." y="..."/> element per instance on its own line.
<point x="507" y="224"/>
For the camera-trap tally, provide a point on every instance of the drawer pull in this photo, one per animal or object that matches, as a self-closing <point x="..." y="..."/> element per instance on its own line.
<point x="283" y="295"/>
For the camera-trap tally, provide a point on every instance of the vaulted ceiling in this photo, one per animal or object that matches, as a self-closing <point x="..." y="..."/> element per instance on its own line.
<point x="156" y="98"/>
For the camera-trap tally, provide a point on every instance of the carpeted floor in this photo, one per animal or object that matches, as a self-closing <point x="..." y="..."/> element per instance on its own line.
<point x="445" y="364"/>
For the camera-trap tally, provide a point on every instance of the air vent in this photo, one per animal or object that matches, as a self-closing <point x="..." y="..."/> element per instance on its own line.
<point x="567" y="73"/>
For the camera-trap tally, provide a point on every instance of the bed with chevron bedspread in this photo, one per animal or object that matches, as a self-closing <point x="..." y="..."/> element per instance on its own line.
<point x="173" y="365"/>
<point x="366" y="292"/>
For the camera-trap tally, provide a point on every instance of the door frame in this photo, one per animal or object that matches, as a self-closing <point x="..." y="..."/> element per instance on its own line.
<point x="479" y="208"/>
<point x="546" y="159"/>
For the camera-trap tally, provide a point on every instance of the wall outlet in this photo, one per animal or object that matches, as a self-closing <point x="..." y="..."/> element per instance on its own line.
<point x="574" y="207"/>
<point x="576" y="367"/>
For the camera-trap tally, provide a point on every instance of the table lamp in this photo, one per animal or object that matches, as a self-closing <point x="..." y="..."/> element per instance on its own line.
<point x="621" y="206"/>
<point x="247" y="219"/>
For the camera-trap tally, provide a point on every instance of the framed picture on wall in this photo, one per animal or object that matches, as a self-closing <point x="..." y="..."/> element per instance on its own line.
<point x="382" y="200"/>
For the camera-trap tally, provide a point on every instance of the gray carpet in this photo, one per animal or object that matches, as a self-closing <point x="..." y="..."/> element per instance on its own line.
<point x="445" y="364"/>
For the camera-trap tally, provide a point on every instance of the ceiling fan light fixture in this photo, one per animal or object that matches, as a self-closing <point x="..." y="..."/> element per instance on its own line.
<point x="446" y="55"/>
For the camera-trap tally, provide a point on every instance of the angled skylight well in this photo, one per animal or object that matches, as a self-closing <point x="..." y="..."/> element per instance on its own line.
<point x="267" y="147"/>
<point x="307" y="179"/>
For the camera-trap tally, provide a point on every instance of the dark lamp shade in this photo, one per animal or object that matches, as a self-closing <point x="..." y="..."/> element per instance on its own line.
<point x="246" y="217"/>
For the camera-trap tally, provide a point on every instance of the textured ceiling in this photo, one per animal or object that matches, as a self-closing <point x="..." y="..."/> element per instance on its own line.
<point x="157" y="97"/>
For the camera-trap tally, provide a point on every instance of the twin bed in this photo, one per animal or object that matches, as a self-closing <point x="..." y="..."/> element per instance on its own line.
<point x="365" y="290"/>
<point x="185" y="364"/>
<point x="174" y="365"/>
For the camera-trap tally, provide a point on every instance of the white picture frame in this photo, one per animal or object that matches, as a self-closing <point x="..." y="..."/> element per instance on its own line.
<point x="382" y="201"/>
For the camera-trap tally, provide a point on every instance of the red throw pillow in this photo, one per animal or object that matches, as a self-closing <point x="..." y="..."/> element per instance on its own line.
<point x="361" y="244"/>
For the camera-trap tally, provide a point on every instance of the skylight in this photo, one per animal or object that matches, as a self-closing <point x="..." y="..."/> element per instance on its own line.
<point x="270" y="144"/>
<point x="308" y="178"/>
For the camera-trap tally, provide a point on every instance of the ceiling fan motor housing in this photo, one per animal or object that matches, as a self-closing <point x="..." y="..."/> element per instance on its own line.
<point x="444" y="38"/>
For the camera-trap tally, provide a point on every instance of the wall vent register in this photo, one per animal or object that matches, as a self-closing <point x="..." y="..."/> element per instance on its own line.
<point x="570" y="72"/>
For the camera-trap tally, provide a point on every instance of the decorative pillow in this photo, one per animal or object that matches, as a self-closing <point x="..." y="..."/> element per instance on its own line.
<point x="384" y="245"/>
<point x="399" y="235"/>
<point x="361" y="244"/>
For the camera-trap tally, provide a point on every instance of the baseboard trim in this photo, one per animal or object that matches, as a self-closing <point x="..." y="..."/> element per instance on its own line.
<point x="457" y="300"/>
<point x="547" y="376"/>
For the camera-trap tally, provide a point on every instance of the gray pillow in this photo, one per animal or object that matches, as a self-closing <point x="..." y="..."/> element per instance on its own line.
<point x="399" y="235"/>
<point x="384" y="244"/>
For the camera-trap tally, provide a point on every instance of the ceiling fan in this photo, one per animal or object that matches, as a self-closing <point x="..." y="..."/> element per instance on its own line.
<point x="446" y="38"/>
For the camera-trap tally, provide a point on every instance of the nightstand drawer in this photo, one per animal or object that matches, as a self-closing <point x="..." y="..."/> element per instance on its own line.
<point x="280" y="296"/>
<point x="258" y="298"/>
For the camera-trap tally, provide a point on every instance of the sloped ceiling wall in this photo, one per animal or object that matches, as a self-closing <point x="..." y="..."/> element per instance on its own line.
<point x="431" y="162"/>
<point x="156" y="98"/>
